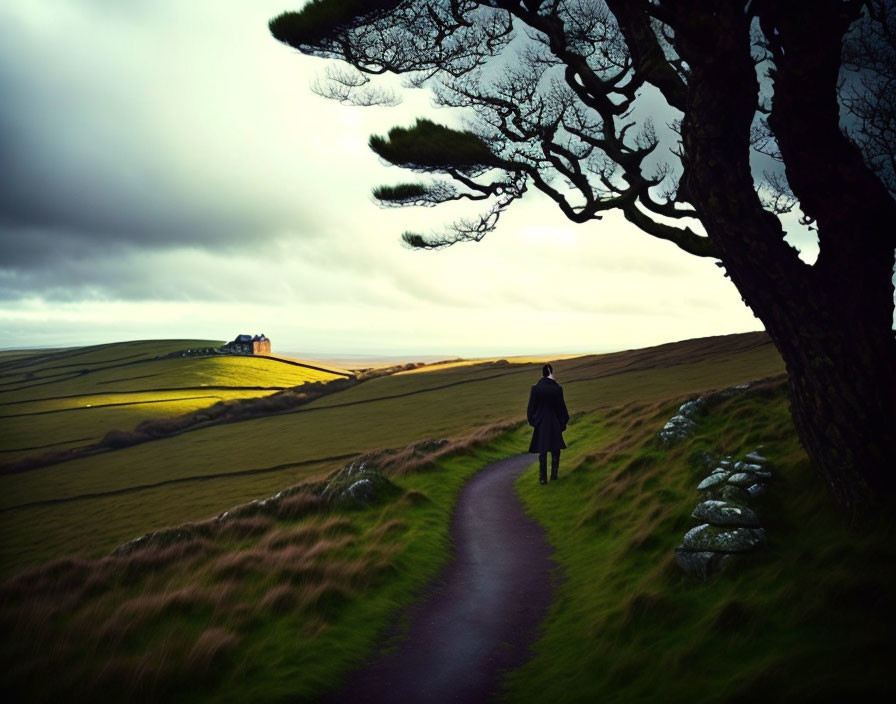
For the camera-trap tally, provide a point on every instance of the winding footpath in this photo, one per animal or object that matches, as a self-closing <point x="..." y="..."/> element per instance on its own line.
<point x="480" y="617"/>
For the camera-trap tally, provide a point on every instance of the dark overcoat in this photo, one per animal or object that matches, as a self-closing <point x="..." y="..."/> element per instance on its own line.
<point x="548" y="416"/>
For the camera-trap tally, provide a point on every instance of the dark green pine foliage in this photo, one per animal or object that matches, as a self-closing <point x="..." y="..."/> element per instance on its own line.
<point x="322" y="20"/>
<point x="401" y="192"/>
<point x="415" y="240"/>
<point x="428" y="146"/>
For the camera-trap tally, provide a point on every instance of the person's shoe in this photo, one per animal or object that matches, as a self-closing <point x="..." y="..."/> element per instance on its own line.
<point x="542" y="481"/>
<point x="554" y="476"/>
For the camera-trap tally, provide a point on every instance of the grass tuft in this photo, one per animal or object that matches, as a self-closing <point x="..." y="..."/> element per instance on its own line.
<point x="210" y="649"/>
<point x="280" y="599"/>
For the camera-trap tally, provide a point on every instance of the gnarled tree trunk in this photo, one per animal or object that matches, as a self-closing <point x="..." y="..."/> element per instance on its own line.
<point x="831" y="321"/>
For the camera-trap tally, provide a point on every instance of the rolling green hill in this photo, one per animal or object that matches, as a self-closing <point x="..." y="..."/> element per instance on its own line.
<point x="116" y="495"/>
<point x="285" y="598"/>
<point x="61" y="399"/>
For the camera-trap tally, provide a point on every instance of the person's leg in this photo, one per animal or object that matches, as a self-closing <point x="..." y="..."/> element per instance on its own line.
<point x="555" y="463"/>
<point x="543" y="467"/>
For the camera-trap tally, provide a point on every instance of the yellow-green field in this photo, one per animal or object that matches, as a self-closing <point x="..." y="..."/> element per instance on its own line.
<point x="150" y="484"/>
<point x="61" y="399"/>
<point x="515" y="359"/>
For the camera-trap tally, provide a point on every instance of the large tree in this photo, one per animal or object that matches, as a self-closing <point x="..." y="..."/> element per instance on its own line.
<point x="765" y="107"/>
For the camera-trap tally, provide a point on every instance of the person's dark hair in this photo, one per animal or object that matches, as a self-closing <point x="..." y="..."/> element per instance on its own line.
<point x="547" y="369"/>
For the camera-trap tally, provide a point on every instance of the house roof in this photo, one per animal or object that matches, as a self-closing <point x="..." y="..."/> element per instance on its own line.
<point x="240" y="339"/>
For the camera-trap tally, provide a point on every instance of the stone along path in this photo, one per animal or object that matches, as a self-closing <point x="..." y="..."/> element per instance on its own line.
<point x="480" y="617"/>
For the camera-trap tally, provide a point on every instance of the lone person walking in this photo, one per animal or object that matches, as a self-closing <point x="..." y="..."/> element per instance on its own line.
<point x="548" y="416"/>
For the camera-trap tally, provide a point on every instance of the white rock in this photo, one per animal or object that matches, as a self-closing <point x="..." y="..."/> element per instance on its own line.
<point x="711" y="481"/>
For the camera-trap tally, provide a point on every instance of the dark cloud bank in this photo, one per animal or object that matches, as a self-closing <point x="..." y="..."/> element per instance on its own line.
<point x="89" y="173"/>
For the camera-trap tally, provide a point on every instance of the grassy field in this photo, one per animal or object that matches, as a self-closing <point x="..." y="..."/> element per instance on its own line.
<point x="386" y="412"/>
<point x="54" y="400"/>
<point x="282" y="603"/>
<point x="808" y="618"/>
<point x="272" y="607"/>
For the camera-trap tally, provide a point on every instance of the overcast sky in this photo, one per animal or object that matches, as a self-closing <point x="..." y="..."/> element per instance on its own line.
<point x="169" y="173"/>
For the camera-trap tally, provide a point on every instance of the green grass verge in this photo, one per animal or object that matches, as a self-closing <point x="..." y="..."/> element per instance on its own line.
<point x="273" y="610"/>
<point x="808" y="618"/>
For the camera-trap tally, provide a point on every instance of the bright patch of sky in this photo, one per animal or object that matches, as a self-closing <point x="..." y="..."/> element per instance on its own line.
<point x="169" y="173"/>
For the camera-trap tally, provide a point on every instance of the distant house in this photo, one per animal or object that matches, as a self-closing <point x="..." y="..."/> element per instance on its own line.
<point x="247" y="344"/>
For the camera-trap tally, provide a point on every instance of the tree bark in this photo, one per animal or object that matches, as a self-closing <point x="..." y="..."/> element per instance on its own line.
<point x="845" y="399"/>
<point x="843" y="404"/>
<point x="831" y="322"/>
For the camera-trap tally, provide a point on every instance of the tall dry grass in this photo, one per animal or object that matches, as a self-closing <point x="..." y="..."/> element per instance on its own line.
<point x="170" y="611"/>
<point x="164" y="617"/>
<point x="423" y="455"/>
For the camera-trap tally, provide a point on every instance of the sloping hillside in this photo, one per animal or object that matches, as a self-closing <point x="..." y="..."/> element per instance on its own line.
<point x="117" y="495"/>
<point x="286" y="597"/>
<point x="806" y="618"/>
<point x="59" y="399"/>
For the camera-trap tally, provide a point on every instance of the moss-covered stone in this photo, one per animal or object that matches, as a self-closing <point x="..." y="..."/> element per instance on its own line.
<point x="700" y="564"/>
<point x="713" y="480"/>
<point x="732" y="494"/>
<point x="358" y="482"/>
<point x="725" y="514"/>
<point x="711" y="538"/>
<point x="743" y="479"/>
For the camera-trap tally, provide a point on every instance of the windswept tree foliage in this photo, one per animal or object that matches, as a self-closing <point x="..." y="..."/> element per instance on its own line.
<point x="701" y="122"/>
<point x="868" y="88"/>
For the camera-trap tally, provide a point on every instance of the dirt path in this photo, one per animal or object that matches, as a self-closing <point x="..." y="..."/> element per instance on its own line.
<point x="482" y="614"/>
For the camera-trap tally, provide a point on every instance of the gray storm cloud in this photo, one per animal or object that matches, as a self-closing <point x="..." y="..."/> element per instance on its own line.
<point x="108" y="140"/>
<point x="166" y="171"/>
